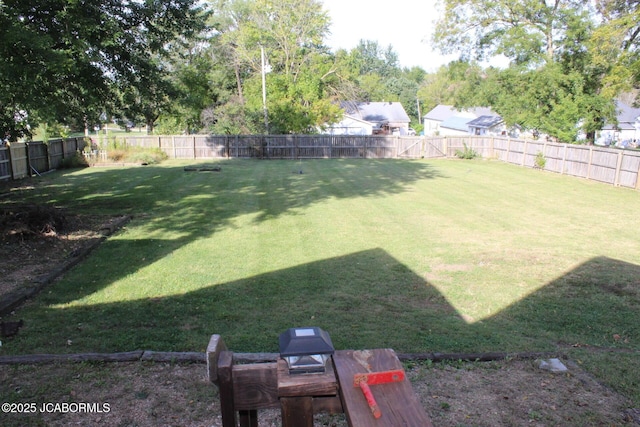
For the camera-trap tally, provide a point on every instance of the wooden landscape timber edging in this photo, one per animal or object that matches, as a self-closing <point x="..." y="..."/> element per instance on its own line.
<point x="13" y="299"/>
<point x="243" y="358"/>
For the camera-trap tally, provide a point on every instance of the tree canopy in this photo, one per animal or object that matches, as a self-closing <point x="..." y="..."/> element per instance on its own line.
<point x="558" y="73"/>
<point x="70" y="60"/>
<point x="196" y="65"/>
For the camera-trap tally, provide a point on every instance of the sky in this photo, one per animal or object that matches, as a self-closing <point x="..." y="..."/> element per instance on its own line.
<point x="406" y="25"/>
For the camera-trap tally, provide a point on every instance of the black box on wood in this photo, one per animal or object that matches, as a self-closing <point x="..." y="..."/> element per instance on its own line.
<point x="306" y="350"/>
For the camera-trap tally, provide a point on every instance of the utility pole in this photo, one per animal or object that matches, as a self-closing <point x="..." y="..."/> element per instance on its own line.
<point x="264" y="91"/>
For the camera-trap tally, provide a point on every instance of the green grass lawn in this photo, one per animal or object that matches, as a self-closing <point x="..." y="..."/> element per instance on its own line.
<point x="420" y="256"/>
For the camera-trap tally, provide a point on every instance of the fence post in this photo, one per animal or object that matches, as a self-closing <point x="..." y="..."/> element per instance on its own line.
<point x="590" y="162"/>
<point x="13" y="175"/>
<point x="564" y="159"/>
<point x="397" y="140"/>
<point x="445" y="147"/>
<point x="618" y="168"/>
<point x="195" y="154"/>
<point x="26" y="148"/>
<point x="524" y="153"/>
<point x="638" y="178"/>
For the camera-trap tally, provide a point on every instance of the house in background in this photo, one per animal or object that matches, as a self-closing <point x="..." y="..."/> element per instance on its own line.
<point x="454" y="126"/>
<point x="371" y="118"/>
<point x="452" y="119"/>
<point x="487" y="125"/>
<point x="626" y="132"/>
<point x="350" y="126"/>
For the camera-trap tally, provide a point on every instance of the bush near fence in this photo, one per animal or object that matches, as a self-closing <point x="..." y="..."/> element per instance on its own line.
<point x="608" y="165"/>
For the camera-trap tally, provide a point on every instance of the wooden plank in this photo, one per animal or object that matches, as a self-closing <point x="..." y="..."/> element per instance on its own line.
<point x="397" y="401"/>
<point x="255" y="386"/>
<point x="306" y="385"/>
<point x="297" y="411"/>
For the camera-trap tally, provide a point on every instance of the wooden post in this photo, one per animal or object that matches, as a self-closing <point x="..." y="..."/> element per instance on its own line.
<point x="524" y="153"/>
<point x="225" y="379"/>
<point x="13" y="175"/>
<point x="445" y="147"/>
<point x="195" y="153"/>
<point x="590" y="162"/>
<point x="297" y="411"/>
<point x="508" y="150"/>
<point x="248" y="418"/>
<point x="618" y="168"/>
<point x="26" y="148"/>
<point x="397" y="146"/>
<point x="637" y="177"/>
<point x="215" y="347"/>
<point x="564" y="159"/>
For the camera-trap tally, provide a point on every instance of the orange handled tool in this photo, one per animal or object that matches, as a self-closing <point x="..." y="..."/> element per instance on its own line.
<point x="366" y="379"/>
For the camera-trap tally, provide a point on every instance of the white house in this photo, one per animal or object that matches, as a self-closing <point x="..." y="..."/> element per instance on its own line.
<point x="434" y="119"/>
<point x="487" y="125"/>
<point x="371" y="118"/>
<point x="350" y="126"/>
<point x="454" y="126"/>
<point x="626" y="131"/>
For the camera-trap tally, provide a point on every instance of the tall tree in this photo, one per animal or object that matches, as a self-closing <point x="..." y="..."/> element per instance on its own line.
<point x="68" y="59"/>
<point x="291" y="34"/>
<point x="616" y="45"/>
<point x="553" y="84"/>
<point x="525" y="31"/>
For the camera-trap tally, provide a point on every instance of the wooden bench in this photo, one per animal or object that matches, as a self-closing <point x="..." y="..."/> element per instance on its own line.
<point x="246" y="388"/>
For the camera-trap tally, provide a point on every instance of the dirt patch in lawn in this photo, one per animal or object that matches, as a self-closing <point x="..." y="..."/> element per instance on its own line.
<point x="38" y="241"/>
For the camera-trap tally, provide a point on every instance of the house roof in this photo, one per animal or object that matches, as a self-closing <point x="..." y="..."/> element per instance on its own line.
<point x="485" y="122"/>
<point x="443" y="112"/>
<point x="626" y="116"/>
<point x="376" y="112"/>
<point x="456" y="123"/>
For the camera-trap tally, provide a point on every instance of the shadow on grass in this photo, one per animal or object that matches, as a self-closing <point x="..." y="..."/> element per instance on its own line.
<point x="595" y="304"/>
<point x="181" y="207"/>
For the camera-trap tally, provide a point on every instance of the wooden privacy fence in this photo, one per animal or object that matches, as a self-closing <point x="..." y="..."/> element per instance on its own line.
<point x="608" y="165"/>
<point x="21" y="159"/>
<point x="282" y="146"/>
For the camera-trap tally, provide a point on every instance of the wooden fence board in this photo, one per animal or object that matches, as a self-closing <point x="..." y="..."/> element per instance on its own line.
<point x="19" y="163"/>
<point x="603" y="164"/>
<point x="5" y="163"/>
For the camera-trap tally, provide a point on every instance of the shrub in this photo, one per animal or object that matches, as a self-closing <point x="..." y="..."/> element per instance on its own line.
<point x="467" y="153"/>
<point x="76" y="161"/>
<point x="137" y="155"/>
<point x="540" y="162"/>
